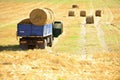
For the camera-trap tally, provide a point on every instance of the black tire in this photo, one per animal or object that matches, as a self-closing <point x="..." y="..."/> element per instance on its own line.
<point x="31" y="46"/>
<point x="43" y="45"/>
<point x="51" y="41"/>
<point x="24" y="47"/>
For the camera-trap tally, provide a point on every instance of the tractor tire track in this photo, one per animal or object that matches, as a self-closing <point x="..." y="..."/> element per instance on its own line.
<point x="92" y="8"/>
<point x="108" y="12"/>
<point x="55" y="9"/>
<point x="83" y="38"/>
<point x="100" y="33"/>
<point x="83" y="49"/>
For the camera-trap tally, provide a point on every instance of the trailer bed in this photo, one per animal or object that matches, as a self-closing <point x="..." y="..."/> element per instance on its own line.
<point x="27" y="30"/>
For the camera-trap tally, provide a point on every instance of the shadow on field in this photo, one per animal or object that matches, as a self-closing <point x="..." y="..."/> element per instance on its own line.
<point x="10" y="48"/>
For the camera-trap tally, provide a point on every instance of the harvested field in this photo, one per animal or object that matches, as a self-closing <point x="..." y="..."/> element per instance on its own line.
<point x="82" y="52"/>
<point x="37" y="66"/>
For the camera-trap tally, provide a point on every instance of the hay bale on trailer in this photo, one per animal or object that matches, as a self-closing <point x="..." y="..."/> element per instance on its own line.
<point x="25" y="21"/>
<point x="89" y="19"/>
<point x="75" y="6"/>
<point x="41" y="16"/>
<point x="82" y="13"/>
<point x="98" y="13"/>
<point x="71" y="13"/>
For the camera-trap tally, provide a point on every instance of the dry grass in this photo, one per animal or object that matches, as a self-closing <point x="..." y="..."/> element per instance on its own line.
<point x="39" y="65"/>
<point x="64" y="60"/>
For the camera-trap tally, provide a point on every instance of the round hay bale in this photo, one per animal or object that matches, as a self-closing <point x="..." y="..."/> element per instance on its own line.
<point x="51" y="14"/>
<point x="41" y="16"/>
<point x="75" y="6"/>
<point x="71" y="13"/>
<point x="89" y="20"/>
<point x="25" y="21"/>
<point x="82" y="13"/>
<point x="98" y="13"/>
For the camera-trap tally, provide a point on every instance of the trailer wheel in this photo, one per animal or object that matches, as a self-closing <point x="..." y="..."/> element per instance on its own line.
<point x="51" y="41"/>
<point x="43" y="45"/>
<point x="23" y="47"/>
<point x="31" y="46"/>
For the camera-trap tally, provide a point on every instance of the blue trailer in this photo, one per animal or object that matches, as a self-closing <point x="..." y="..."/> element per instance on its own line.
<point x="32" y="36"/>
<point x="26" y="30"/>
<point x="39" y="29"/>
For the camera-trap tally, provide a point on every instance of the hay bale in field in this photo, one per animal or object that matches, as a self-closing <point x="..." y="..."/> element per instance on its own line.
<point x="98" y="13"/>
<point x="89" y="20"/>
<point x="25" y="21"/>
<point x="51" y="13"/>
<point x="75" y="6"/>
<point x="71" y="13"/>
<point x="82" y="13"/>
<point x="41" y="16"/>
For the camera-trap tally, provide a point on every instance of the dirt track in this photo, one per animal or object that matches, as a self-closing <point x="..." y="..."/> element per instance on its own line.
<point x="100" y="32"/>
<point x="106" y="19"/>
<point x="97" y="31"/>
